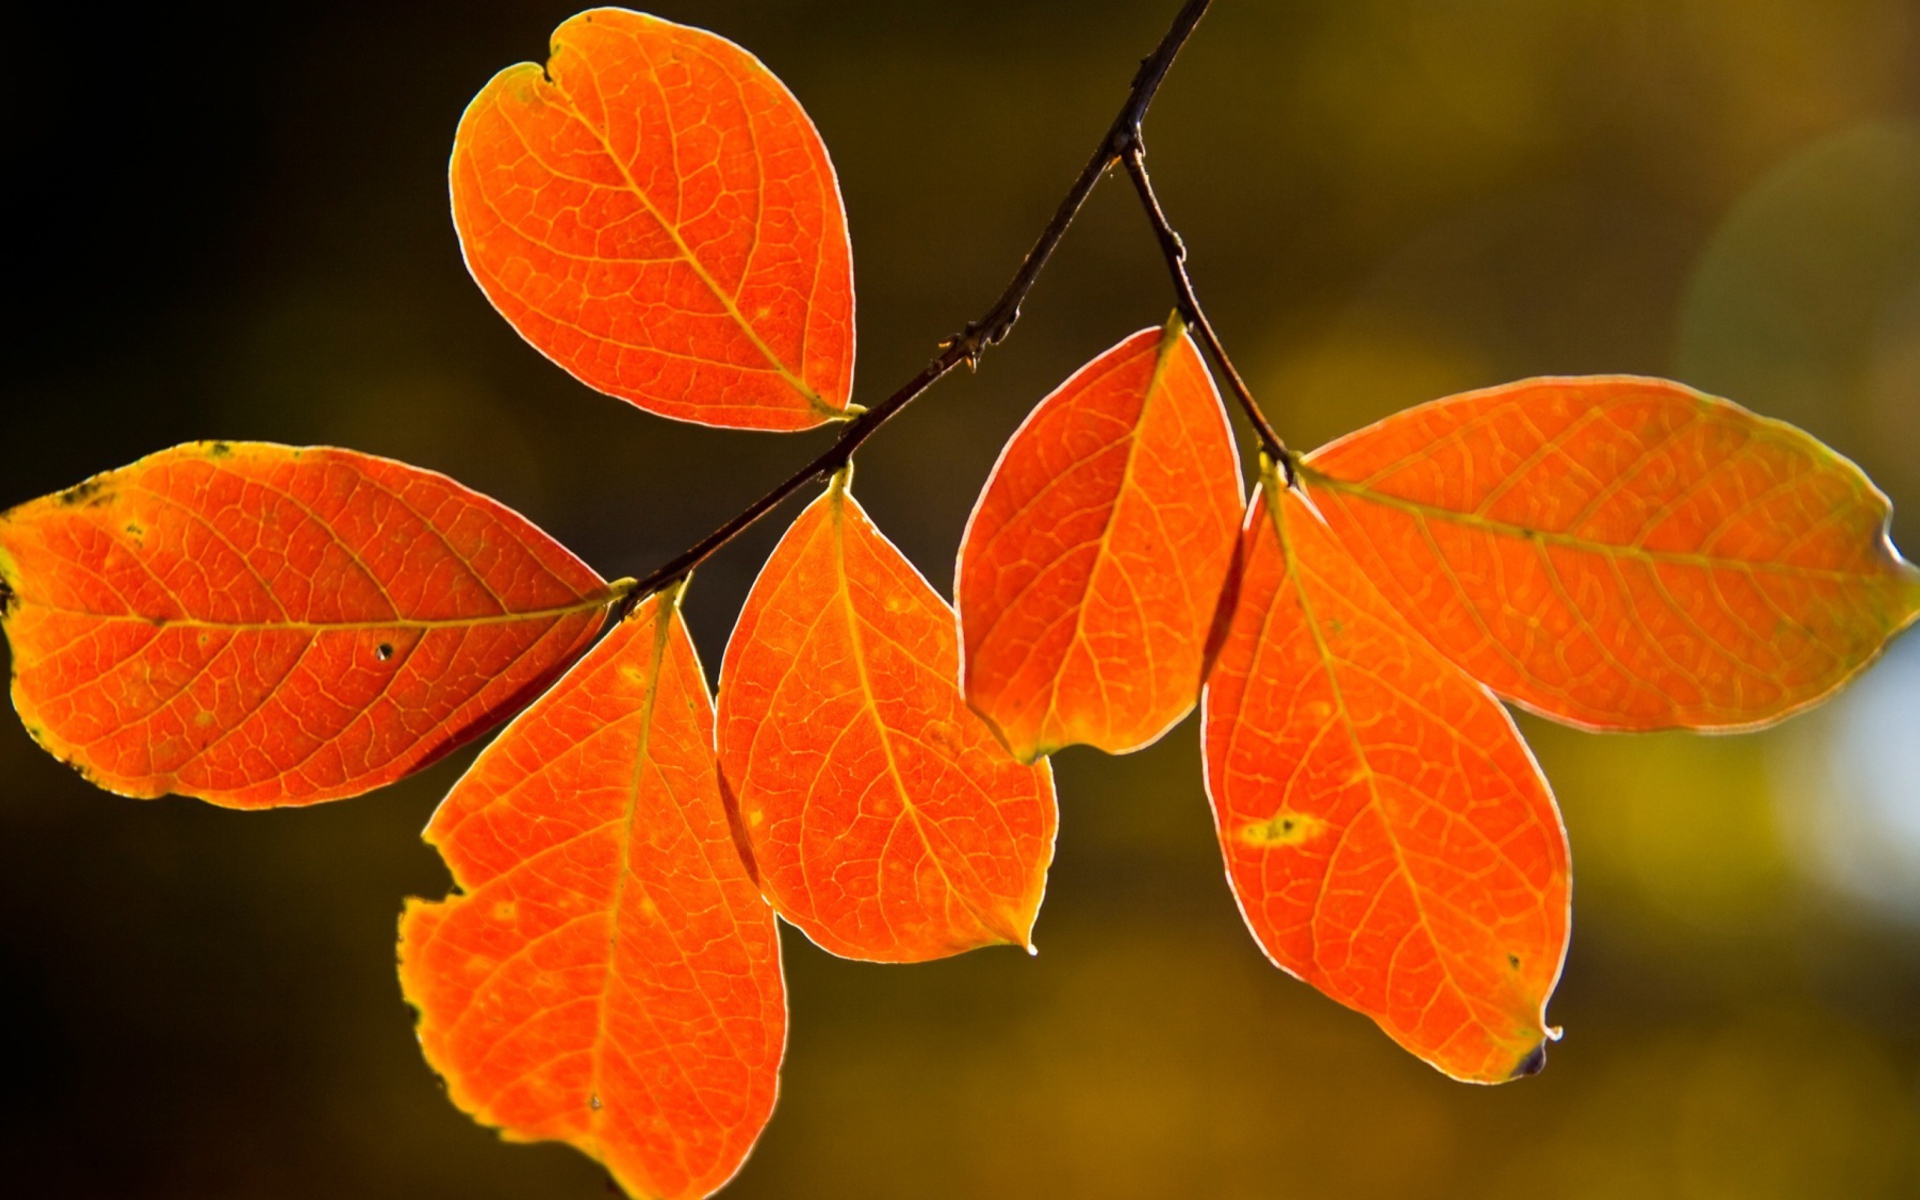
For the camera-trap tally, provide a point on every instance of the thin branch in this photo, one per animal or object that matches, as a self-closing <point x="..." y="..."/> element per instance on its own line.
<point x="968" y="345"/>
<point x="1175" y="252"/>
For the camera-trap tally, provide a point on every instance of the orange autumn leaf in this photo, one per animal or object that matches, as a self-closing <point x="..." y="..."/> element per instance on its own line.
<point x="1388" y="835"/>
<point x="1622" y="553"/>
<point x="885" y="820"/>
<point x="257" y="625"/>
<point x="608" y="975"/>
<point x="1093" y="561"/>
<point x="655" y="213"/>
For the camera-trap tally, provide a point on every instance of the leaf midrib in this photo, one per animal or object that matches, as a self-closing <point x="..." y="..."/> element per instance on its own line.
<point x="1164" y="350"/>
<point x="837" y="514"/>
<point x="1276" y="500"/>
<point x="693" y="262"/>
<point x="1558" y="538"/>
<point x="316" y="627"/>
<point x="665" y="606"/>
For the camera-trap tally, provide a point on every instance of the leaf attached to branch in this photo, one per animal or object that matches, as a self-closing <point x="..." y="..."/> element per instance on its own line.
<point x="1093" y="561"/>
<point x="654" y="212"/>
<point x="886" y="821"/>
<point x="1622" y="553"/>
<point x="257" y="625"/>
<point x="608" y="976"/>
<point x="1388" y="836"/>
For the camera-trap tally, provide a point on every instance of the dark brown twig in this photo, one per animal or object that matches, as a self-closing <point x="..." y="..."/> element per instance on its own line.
<point x="1175" y="252"/>
<point x="968" y="345"/>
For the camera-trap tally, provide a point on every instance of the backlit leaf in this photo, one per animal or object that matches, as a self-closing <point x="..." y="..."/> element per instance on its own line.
<point x="257" y="625"/>
<point x="1622" y="553"/>
<point x="1387" y="834"/>
<point x="1093" y="561"/>
<point x="886" y="821"/>
<point x="608" y="976"/>
<point x="654" y="212"/>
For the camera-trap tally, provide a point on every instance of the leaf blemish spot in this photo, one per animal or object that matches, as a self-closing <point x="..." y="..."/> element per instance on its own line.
<point x="80" y="493"/>
<point x="383" y="651"/>
<point x="1283" y="829"/>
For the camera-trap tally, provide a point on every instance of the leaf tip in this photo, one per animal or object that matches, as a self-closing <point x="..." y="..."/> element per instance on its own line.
<point x="1535" y="1061"/>
<point x="1012" y="930"/>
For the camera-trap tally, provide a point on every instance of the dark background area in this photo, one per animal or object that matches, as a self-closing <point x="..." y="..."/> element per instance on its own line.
<point x="232" y="223"/>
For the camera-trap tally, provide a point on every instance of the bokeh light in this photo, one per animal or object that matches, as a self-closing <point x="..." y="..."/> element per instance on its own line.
<point x="1849" y="787"/>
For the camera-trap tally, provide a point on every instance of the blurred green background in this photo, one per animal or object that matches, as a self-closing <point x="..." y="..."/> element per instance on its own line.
<point x="233" y="224"/>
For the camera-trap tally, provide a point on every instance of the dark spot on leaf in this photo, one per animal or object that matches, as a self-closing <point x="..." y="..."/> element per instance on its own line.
<point x="1513" y="960"/>
<point x="80" y="493"/>
<point x="219" y="450"/>
<point x="1282" y="829"/>
<point x="1532" y="1064"/>
<point x="384" y="650"/>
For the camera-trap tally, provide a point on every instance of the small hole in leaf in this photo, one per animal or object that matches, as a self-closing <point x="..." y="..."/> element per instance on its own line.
<point x="384" y="650"/>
